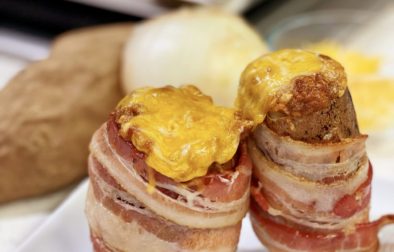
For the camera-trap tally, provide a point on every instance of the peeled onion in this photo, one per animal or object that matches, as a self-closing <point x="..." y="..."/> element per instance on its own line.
<point x="202" y="46"/>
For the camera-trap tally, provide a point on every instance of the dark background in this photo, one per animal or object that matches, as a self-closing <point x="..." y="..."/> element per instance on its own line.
<point x="48" y="18"/>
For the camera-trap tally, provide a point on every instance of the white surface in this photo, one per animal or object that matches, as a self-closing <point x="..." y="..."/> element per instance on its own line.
<point x="67" y="230"/>
<point x="19" y="220"/>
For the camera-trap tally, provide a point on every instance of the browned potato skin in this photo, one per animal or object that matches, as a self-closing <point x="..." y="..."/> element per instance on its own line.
<point x="337" y="119"/>
<point x="50" y="110"/>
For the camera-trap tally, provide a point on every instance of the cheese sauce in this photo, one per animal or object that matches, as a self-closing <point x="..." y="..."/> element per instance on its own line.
<point x="269" y="79"/>
<point x="180" y="130"/>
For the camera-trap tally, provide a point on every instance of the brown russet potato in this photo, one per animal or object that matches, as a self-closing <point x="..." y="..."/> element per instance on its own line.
<point x="49" y="111"/>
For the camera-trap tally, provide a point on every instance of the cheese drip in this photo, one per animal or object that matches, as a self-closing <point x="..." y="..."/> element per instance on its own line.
<point x="268" y="81"/>
<point x="180" y="130"/>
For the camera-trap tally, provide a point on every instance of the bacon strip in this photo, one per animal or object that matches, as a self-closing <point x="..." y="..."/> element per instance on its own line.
<point x="191" y="216"/>
<point x="128" y="213"/>
<point x="283" y="237"/>
<point x="311" y="161"/>
<point x="312" y="197"/>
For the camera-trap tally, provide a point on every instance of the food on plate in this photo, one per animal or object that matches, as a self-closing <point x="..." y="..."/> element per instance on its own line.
<point x="170" y="171"/>
<point x="50" y="109"/>
<point x="206" y="46"/>
<point x="311" y="183"/>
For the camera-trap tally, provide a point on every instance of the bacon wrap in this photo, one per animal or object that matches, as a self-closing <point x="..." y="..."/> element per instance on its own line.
<point x="203" y="214"/>
<point x="312" y="197"/>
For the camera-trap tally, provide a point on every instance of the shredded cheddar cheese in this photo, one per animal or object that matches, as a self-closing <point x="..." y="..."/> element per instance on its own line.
<point x="269" y="79"/>
<point x="180" y="130"/>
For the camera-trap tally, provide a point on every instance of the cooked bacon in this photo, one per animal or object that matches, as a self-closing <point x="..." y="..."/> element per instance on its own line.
<point x="132" y="212"/>
<point x="311" y="201"/>
<point x="311" y="161"/>
<point x="312" y="197"/>
<point x="284" y="237"/>
<point x="199" y="215"/>
<point x="197" y="210"/>
<point x="349" y="204"/>
<point x="99" y="245"/>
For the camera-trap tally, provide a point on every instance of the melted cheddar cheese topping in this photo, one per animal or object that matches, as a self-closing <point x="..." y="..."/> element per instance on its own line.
<point x="180" y="130"/>
<point x="268" y="81"/>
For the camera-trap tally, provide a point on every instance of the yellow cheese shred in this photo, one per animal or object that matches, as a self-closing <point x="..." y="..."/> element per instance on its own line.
<point x="180" y="130"/>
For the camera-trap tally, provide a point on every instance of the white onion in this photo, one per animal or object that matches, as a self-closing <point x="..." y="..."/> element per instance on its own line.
<point x="202" y="46"/>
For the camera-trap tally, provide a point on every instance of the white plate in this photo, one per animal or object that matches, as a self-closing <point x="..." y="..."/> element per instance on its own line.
<point x="67" y="230"/>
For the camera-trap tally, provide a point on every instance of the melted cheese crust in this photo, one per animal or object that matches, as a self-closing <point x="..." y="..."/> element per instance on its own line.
<point x="269" y="80"/>
<point x="180" y="129"/>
